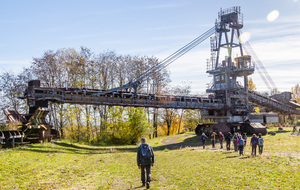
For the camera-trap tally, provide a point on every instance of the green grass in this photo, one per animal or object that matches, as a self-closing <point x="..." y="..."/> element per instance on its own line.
<point x="64" y="165"/>
<point x="283" y="141"/>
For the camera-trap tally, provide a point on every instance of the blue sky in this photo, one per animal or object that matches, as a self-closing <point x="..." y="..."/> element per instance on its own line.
<point x="153" y="28"/>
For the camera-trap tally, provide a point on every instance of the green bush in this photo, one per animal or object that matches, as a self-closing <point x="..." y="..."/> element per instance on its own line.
<point x="125" y="126"/>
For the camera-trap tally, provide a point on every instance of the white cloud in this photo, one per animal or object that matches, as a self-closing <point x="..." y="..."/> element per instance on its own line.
<point x="18" y="65"/>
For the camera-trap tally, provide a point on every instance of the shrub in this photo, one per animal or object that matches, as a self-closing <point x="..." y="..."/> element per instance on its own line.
<point x="272" y="133"/>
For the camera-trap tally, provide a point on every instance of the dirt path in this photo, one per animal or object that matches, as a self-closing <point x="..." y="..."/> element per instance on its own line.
<point x="173" y="142"/>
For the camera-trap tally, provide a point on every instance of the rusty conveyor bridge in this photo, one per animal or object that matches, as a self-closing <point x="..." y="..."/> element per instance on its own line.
<point x="273" y="104"/>
<point x="39" y="96"/>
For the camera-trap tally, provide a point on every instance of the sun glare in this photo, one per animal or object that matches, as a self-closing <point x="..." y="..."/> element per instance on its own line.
<point x="273" y="15"/>
<point x="244" y="37"/>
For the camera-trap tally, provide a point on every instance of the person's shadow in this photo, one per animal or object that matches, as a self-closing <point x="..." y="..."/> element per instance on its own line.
<point x="139" y="187"/>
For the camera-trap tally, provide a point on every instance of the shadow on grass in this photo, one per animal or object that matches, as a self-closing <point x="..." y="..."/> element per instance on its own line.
<point x="283" y="131"/>
<point x="227" y="152"/>
<point x="245" y="157"/>
<point x="233" y="156"/>
<point x="63" y="147"/>
<point x="193" y="141"/>
<point x="139" y="187"/>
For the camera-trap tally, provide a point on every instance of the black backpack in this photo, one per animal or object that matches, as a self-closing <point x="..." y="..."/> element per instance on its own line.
<point x="146" y="153"/>
<point x="255" y="140"/>
<point x="228" y="138"/>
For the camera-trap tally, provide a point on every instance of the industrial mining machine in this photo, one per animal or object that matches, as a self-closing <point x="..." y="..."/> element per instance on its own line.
<point x="228" y="104"/>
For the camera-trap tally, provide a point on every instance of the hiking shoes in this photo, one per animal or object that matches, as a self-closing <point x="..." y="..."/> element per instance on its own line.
<point x="148" y="185"/>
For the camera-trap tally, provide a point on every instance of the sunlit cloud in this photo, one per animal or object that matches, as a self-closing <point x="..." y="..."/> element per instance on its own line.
<point x="244" y="37"/>
<point x="273" y="15"/>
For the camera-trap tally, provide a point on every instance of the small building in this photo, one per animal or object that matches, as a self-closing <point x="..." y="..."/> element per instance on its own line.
<point x="264" y="117"/>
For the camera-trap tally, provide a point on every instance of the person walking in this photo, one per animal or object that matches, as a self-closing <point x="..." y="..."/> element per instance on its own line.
<point x="241" y="145"/>
<point x="235" y="143"/>
<point x="294" y="129"/>
<point x="228" y="140"/>
<point x="245" y="138"/>
<point x="221" y="138"/>
<point x="253" y="143"/>
<point x="203" y="137"/>
<point x="260" y="144"/>
<point x="213" y="139"/>
<point x="145" y="160"/>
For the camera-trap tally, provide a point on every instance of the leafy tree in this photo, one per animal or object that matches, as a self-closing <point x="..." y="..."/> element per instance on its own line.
<point x="296" y="93"/>
<point x="12" y="87"/>
<point x="251" y="85"/>
<point x="193" y="118"/>
<point x="126" y="125"/>
<point x="168" y="118"/>
<point x="275" y="91"/>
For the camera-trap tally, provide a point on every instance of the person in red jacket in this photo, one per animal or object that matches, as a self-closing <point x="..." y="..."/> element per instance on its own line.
<point x="221" y="136"/>
<point x="235" y="143"/>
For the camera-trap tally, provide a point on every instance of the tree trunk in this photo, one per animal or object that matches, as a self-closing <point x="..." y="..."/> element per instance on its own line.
<point x="180" y="119"/>
<point x="88" y="127"/>
<point x="61" y="121"/>
<point x="155" y="122"/>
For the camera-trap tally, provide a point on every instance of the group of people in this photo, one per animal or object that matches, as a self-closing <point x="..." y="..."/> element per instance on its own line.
<point x="145" y="153"/>
<point x="239" y="141"/>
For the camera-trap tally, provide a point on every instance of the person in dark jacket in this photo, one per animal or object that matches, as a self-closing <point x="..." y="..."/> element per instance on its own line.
<point x="245" y="138"/>
<point x="145" y="160"/>
<point x="228" y="140"/>
<point x="241" y="145"/>
<point x="253" y="143"/>
<point x="203" y="137"/>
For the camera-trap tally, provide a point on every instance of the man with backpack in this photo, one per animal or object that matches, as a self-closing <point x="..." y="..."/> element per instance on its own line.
<point x="253" y="143"/>
<point x="260" y="144"/>
<point x="228" y="140"/>
<point x="235" y="143"/>
<point x="145" y="159"/>
<point x="241" y="145"/>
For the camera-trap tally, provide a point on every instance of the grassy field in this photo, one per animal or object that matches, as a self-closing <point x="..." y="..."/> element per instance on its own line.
<point x="63" y="165"/>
